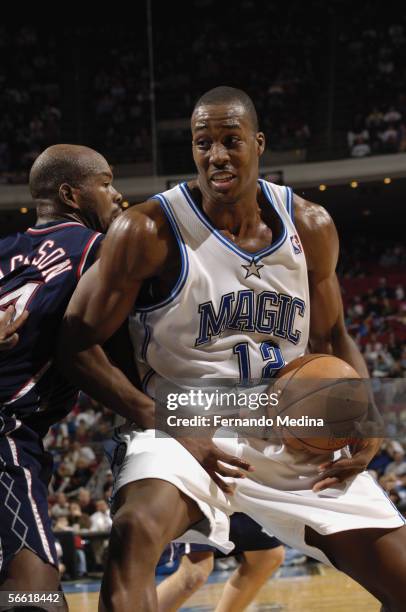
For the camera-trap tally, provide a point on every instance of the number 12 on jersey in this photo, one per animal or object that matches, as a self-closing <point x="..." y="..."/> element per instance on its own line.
<point x="271" y="354"/>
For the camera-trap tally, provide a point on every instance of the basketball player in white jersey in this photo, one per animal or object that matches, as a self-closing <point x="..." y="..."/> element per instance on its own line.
<point x="230" y="277"/>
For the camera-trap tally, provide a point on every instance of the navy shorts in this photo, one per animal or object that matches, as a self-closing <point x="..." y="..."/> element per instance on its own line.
<point x="245" y="534"/>
<point x="25" y="471"/>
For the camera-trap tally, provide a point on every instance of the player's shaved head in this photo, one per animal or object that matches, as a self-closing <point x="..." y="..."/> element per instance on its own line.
<point x="229" y="95"/>
<point x="63" y="163"/>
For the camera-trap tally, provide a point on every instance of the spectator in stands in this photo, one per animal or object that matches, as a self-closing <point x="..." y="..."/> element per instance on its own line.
<point x="381" y="459"/>
<point x="62" y="524"/>
<point x="383" y="365"/>
<point x="77" y="519"/>
<point x="80" y="476"/>
<point x="79" y="451"/>
<point x="383" y="291"/>
<point x="85" y="501"/>
<point x="61" y="480"/>
<point x="60" y="507"/>
<point x="360" y="147"/>
<point x="101" y="520"/>
<point x="374" y="121"/>
<point x="399" y="292"/>
<point x="397" y="467"/>
<point x="82" y="434"/>
<point x="392" y="116"/>
<point x="358" y="131"/>
<point x="390" y="139"/>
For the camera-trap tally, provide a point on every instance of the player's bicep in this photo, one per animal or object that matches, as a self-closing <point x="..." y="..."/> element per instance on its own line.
<point x="98" y="307"/>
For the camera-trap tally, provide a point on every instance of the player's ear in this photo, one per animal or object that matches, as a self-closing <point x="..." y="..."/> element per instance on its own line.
<point x="68" y="195"/>
<point x="260" y="143"/>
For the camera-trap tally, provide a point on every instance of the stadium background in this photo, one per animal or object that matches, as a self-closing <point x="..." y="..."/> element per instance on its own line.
<point x="329" y="84"/>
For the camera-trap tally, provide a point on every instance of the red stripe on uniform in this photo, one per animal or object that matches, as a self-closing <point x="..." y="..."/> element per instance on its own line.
<point x="85" y="254"/>
<point x="33" y="230"/>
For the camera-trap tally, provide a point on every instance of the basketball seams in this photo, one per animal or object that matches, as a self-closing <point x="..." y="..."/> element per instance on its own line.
<point x="294" y="371"/>
<point x="316" y="443"/>
<point x="312" y="392"/>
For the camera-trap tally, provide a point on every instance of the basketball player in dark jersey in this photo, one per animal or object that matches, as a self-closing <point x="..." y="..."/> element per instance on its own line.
<point x="39" y="269"/>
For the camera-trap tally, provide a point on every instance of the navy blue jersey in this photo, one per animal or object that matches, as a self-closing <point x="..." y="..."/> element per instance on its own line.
<point x="39" y="270"/>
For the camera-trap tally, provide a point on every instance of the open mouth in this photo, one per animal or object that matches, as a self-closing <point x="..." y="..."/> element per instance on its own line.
<point x="222" y="181"/>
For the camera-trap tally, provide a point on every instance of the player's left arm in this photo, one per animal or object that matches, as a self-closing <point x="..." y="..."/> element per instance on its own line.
<point x="328" y="333"/>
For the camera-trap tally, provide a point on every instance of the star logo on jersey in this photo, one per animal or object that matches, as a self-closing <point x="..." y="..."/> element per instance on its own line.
<point x="252" y="269"/>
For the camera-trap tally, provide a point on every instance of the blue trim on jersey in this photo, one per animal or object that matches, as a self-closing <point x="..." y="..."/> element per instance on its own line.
<point x="147" y="337"/>
<point x="146" y="380"/>
<point x="388" y="498"/>
<point x="228" y="243"/>
<point x="289" y="203"/>
<point x="183" y="254"/>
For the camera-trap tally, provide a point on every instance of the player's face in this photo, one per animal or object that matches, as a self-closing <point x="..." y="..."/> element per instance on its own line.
<point x="226" y="150"/>
<point x="99" y="201"/>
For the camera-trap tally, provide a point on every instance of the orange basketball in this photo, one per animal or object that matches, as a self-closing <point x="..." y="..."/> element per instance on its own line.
<point x="321" y="398"/>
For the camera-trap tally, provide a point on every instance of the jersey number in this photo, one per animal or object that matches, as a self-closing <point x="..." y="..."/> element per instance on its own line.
<point x="19" y="298"/>
<point x="271" y="353"/>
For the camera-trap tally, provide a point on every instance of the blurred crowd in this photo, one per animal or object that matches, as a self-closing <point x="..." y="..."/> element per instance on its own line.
<point x="30" y="111"/>
<point x="375" y="56"/>
<point x="375" y="304"/>
<point x="382" y="131"/>
<point x="101" y="94"/>
<point x="81" y="486"/>
<point x="389" y="469"/>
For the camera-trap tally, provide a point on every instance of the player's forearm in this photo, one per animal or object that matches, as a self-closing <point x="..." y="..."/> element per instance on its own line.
<point x="93" y="373"/>
<point x="345" y="348"/>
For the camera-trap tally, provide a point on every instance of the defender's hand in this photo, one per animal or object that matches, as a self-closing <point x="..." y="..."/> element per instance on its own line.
<point x="208" y="455"/>
<point x="8" y="327"/>
<point x="334" y="472"/>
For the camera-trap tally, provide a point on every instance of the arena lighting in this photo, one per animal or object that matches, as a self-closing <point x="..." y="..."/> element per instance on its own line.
<point x="354" y="184"/>
<point x="387" y="180"/>
<point x="322" y="187"/>
<point x="125" y="204"/>
<point x="23" y="210"/>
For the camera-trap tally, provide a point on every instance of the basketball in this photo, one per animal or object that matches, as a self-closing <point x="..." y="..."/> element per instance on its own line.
<point x="321" y="398"/>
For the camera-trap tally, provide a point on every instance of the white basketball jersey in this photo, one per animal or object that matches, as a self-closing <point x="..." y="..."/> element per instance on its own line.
<point x="232" y="313"/>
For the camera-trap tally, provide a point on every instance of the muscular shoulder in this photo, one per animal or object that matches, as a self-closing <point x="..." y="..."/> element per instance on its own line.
<point x="138" y="241"/>
<point x="318" y="235"/>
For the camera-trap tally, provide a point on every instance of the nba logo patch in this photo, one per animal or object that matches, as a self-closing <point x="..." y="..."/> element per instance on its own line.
<point x="297" y="247"/>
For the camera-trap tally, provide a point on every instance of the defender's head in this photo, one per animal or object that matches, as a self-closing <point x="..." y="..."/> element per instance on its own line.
<point x="76" y="181"/>
<point x="226" y="144"/>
